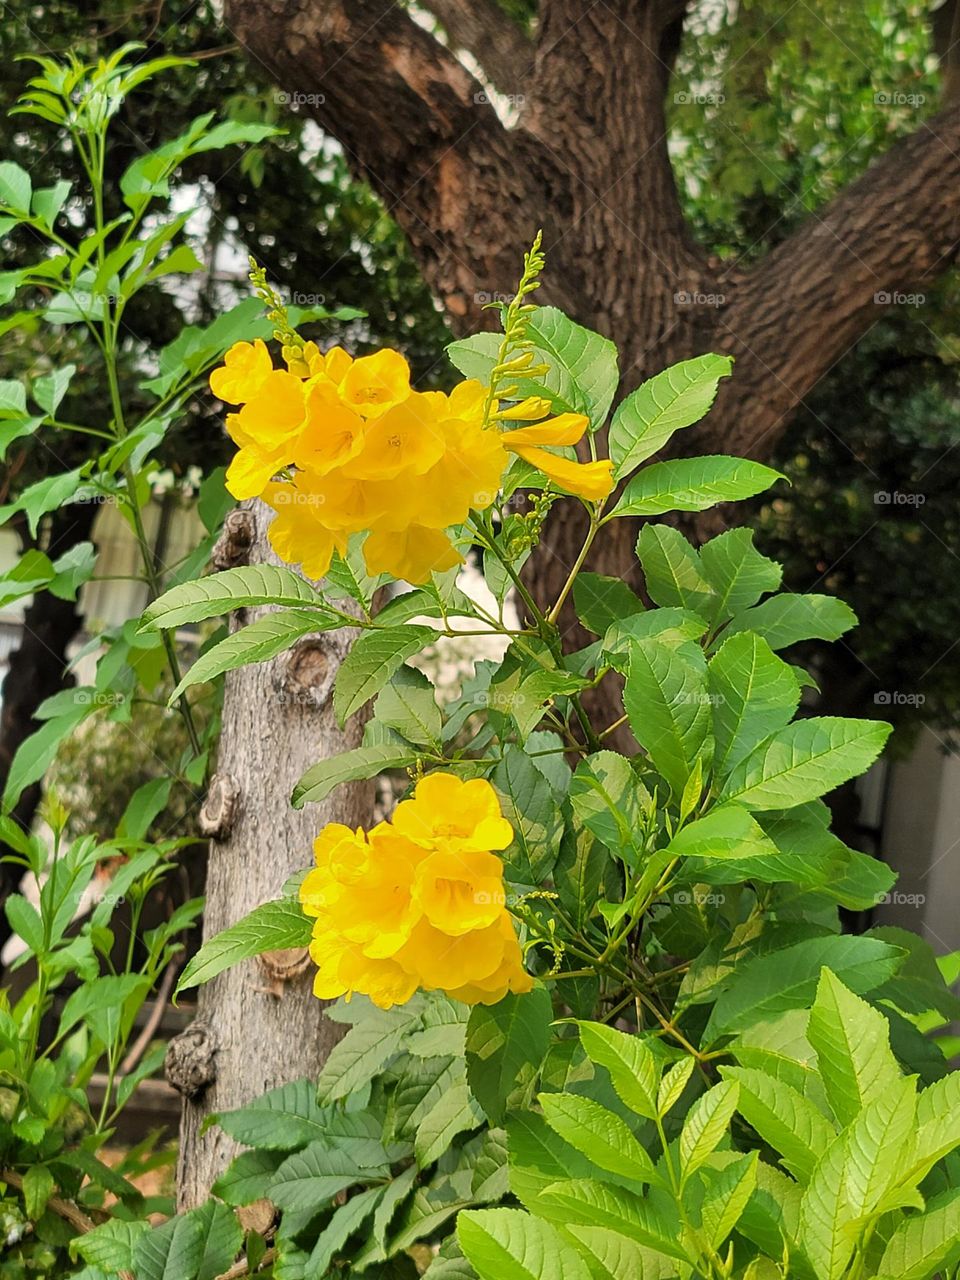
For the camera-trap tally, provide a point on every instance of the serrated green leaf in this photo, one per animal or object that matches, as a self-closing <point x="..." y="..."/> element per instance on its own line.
<point x="372" y="661"/>
<point x="753" y="694"/>
<point x="506" y="1045"/>
<point x="672" y="571"/>
<point x="728" y="831"/>
<point x="272" y="926"/>
<point x="925" y="1245"/>
<point x="598" y="1134"/>
<point x="783" y="1118"/>
<point x="600" y="601"/>
<point x="507" y="1244"/>
<point x="805" y="761"/>
<point x="706" y="1126"/>
<point x="258" y="642"/>
<point x="787" y="619"/>
<point x="633" y="1069"/>
<point x="673" y="399"/>
<point x="350" y="766"/>
<point x="737" y="572"/>
<point x="693" y="484"/>
<point x="669" y="710"/>
<point x="240" y="588"/>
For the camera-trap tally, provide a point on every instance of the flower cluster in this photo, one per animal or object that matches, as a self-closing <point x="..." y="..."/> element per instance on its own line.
<point x="339" y="446"/>
<point x="417" y="902"/>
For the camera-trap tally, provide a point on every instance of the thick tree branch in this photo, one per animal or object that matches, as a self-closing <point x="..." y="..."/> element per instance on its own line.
<point x="482" y="29"/>
<point x="415" y="124"/>
<point x="798" y="312"/>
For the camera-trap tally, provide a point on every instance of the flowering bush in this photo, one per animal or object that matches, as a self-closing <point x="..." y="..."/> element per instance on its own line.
<point x="610" y="998"/>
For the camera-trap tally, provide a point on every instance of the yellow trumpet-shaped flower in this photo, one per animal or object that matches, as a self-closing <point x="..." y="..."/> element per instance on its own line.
<point x="417" y="903"/>
<point x="245" y="368"/>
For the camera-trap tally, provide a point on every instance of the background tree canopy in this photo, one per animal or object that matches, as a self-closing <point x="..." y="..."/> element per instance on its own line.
<point x="772" y="111"/>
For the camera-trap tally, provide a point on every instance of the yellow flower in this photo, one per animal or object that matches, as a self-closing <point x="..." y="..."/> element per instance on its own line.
<point x="418" y="902"/>
<point x="409" y="554"/>
<point x="331" y="434"/>
<point x="374" y="384"/>
<point x="245" y="367"/>
<point x="298" y="533"/>
<point x="405" y="438"/>
<point x="448" y="813"/>
<point x="589" y="480"/>
<point x="460" y="891"/>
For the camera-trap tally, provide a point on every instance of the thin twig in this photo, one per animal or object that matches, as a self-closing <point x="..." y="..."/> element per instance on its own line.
<point x="65" y="1209"/>
<point x="242" y="1268"/>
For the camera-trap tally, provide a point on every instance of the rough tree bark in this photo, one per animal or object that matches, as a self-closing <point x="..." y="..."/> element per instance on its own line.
<point x="258" y="1024"/>
<point x="587" y="159"/>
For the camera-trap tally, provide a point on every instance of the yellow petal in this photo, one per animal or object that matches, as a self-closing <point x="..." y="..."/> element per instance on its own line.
<point x="411" y="554"/>
<point x="250" y="471"/>
<point x="567" y="428"/>
<point x="589" y="480"/>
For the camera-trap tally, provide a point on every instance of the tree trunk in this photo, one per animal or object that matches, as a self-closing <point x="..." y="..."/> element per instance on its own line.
<point x="258" y="1024"/>
<point x="37" y="670"/>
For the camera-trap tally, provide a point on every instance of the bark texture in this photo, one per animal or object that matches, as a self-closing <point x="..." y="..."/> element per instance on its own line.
<point x="257" y="1024"/>
<point x="587" y="159"/>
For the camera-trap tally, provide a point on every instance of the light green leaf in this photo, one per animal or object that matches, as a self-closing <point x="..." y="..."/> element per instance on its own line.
<point x="925" y="1245"/>
<point x="737" y="571"/>
<point x="673" y="1084"/>
<point x="598" y="1134"/>
<point x="784" y="1118"/>
<point x="258" y="642"/>
<point x="828" y="1229"/>
<point x="601" y="1204"/>
<point x="786" y="619"/>
<point x="753" y="694"/>
<point x="634" y="1070"/>
<point x="408" y="705"/>
<point x="533" y="811"/>
<point x="272" y="926"/>
<point x="253" y="584"/>
<point x="852" y="1042"/>
<point x="804" y="761"/>
<point x="766" y="986"/>
<point x="669" y="710"/>
<point x="672" y="570"/>
<point x="673" y="399"/>
<point x="456" y="1111"/>
<point x="15" y="187"/>
<point x="610" y="801"/>
<point x="620" y="1258"/>
<point x="726" y="1197"/>
<point x="364" y="1050"/>
<point x="372" y="661"/>
<point x="693" y="484"/>
<point x="316" y="1174"/>
<point x="727" y="831"/>
<point x="170" y="1251"/>
<point x="49" y="390"/>
<point x="350" y="766"/>
<point x="706" y="1126"/>
<point x="110" y="1245"/>
<point x="507" y="1244"/>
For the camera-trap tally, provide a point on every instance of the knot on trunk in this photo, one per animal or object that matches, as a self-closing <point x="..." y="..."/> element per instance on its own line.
<point x="281" y="967"/>
<point x="305" y="674"/>
<point x="189" y="1063"/>
<point x="221" y="806"/>
<point x="233" y="546"/>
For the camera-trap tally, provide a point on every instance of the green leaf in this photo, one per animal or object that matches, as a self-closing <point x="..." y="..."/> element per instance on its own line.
<point x="364" y="1050"/>
<point x="706" y="1126"/>
<point x="48" y="201"/>
<point x="753" y="694"/>
<point x="221" y="1237"/>
<point x="313" y="1176"/>
<point x="926" y="1245"/>
<point x="884" y="1126"/>
<point x="675" y="398"/>
<point x="727" y="1196"/>
<point x="600" y="1204"/>
<point x="672" y="570"/>
<point x="852" y="1042"/>
<point x="170" y="1251"/>
<point x="673" y="1084"/>
<point x="220" y="593"/>
<point x="289" y="1117"/>
<point x="49" y="390"/>
<point x="581" y="375"/>
<point x="272" y="926"/>
<point x="601" y="601"/>
<point x="25" y="922"/>
<point x="610" y="801"/>
<point x="598" y="1134"/>
<point x="506" y="1045"/>
<point x="111" y="1244"/>
<point x="619" y="1258"/>
<point x="456" y="1111"/>
<point x="727" y="831"/>
<point x="633" y="1069"/>
<point x="36" y="753"/>
<point x="804" y="761"/>
<point x="15" y="187"/>
<point x="783" y="1118"/>
<point x="738" y="573"/>
<point x="347" y="1219"/>
<point x="828" y="1231"/>
<point x="787" y="619"/>
<point x="531" y="808"/>
<point x="669" y="710"/>
<point x="258" y="642"/>
<point x="767" y="985"/>
<point x="38" y="1187"/>
<point x="372" y="661"/>
<point x="247" y="1178"/>
<point x="408" y="705"/>
<point x="350" y="766"/>
<point x="507" y="1244"/>
<point x="693" y="484"/>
